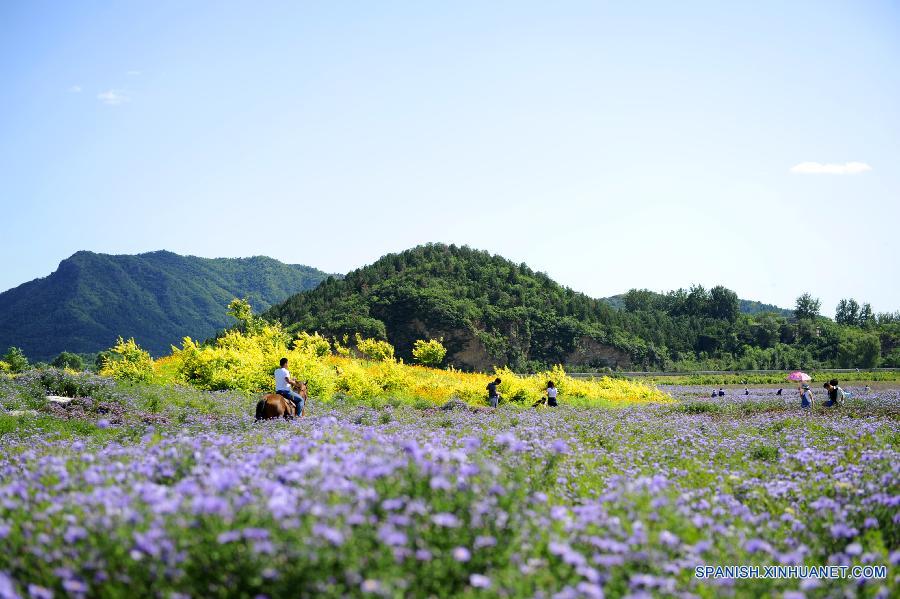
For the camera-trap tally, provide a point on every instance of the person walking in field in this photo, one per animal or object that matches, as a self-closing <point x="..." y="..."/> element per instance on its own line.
<point x="836" y="395"/>
<point x="493" y="394"/>
<point x="806" y="397"/>
<point x="283" y="384"/>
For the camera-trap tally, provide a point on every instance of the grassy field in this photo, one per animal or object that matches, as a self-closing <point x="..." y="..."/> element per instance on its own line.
<point x="164" y="487"/>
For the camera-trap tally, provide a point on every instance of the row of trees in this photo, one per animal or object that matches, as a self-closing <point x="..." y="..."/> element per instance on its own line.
<point x="15" y="360"/>
<point x="698" y="328"/>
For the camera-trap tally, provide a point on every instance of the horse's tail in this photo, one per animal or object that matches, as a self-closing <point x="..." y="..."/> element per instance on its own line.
<point x="260" y="407"/>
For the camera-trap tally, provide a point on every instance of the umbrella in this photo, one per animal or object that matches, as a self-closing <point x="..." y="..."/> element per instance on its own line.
<point x="799" y="376"/>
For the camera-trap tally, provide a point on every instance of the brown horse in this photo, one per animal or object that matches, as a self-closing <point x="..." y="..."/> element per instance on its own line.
<point x="273" y="405"/>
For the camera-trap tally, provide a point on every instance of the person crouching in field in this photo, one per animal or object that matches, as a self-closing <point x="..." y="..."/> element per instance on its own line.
<point x="493" y="394"/>
<point x="283" y="383"/>
<point x="836" y="395"/>
<point x="806" y="397"/>
<point x="549" y="396"/>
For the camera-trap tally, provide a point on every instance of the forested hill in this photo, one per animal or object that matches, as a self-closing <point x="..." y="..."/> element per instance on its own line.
<point x="491" y="311"/>
<point x="488" y="310"/>
<point x="157" y="298"/>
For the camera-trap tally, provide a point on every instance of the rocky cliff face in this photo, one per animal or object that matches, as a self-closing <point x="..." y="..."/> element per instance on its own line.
<point x="593" y="354"/>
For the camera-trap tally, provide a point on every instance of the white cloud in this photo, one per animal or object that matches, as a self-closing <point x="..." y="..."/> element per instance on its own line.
<point x="132" y="73"/>
<point x="113" y="97"/>
<point x="75" y="89"/>
<point x="818" y="168"/>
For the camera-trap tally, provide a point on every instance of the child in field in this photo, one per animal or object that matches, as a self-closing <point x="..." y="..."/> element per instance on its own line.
<point x="806" y="397"/>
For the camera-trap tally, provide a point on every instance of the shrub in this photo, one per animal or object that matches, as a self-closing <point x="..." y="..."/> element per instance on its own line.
<point x="16" y="359"/>
<point x="129" y="362"/>
<point x="4" y="367"/>
<point x="245" y="361"/>
<point x="314" y="344"/>
<point x="765" y="453"/>
<point x="429" y="353"/>
<point x="373" y="349"/>
<point x="68" y="360"/>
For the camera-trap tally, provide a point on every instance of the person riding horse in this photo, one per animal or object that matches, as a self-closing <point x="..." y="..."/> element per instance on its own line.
<point x="285" y="402"/>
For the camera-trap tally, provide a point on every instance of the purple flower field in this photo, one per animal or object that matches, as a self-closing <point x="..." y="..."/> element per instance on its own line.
<point x="176" y="493"/>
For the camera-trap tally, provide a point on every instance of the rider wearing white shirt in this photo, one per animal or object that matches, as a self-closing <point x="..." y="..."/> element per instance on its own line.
<point x="283" y="382"/>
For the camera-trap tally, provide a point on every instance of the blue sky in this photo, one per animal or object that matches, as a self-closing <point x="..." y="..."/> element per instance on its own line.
<point x="611" y="145"/>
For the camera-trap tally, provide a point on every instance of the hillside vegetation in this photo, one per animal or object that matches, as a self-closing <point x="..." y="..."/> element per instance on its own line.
<point x="158" y="298"/>
<point x="491" y="311"/>
<point x="245" y="357"/>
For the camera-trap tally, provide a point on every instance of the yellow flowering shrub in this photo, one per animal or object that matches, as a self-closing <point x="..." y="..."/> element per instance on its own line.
<point x="374" y="349"/>
<point x="246" y="361"/>
<point x="315" y="343"/>
<point x="429" y="353"/>
<point x="4" y="367"/>
<point x="128" y="362"/>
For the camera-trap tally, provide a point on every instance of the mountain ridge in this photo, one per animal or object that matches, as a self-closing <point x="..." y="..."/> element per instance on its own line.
<point x="157" y="297"/>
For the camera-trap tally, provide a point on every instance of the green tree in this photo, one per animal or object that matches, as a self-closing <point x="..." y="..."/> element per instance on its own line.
<point x="640" y="300"/>
<point x="16" y="359"/>
<point x="429" y="353"/>
<point x="847" y="312"/>
<point x="241" y="311"/>
<point x="768" y="329"/>
<point x="807" y="307"/>
<point x="866" y="317"/>
<point x="68" y="360"/>
<point x="724" y="303"/>
<point x="858" y="349"/>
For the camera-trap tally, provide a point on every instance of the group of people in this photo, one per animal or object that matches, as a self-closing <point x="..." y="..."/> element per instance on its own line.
<point x="836" y="395"/>
<point x="549" y="397"/>
<point x="284" y="386"/>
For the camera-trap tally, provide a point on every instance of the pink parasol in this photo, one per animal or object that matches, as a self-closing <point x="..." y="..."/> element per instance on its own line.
<point x="799" y="376"/>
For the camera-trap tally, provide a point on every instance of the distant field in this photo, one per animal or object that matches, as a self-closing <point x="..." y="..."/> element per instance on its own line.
<point x="865" y="376"/>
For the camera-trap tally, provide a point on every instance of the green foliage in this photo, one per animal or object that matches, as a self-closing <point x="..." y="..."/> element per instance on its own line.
<point x="512" y="316"/>
<point x="429" y="353"/>
<point x="764" y="453"/>
<point x="129" y="362"/>
<point x="240" y="310"/>
<point x="158" y="297"/>
<point x="68" y="360"/>
<point x="373" y="349"/>
<point x="4" y="367"/>
<point x="858" y="349"/>
<point x="15" y="359"/>
<point x="807" y="307"/>
<point x="462" y="295"/>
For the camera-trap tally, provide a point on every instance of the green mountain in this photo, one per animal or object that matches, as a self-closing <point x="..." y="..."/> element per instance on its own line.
<point x="157" y="298"/>
<point x="753" y="307"/>
<point x="488" y="310"/>
<point x="491" y="311"/>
